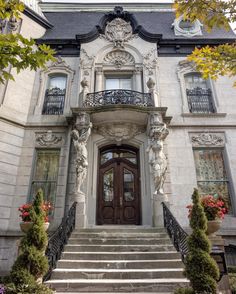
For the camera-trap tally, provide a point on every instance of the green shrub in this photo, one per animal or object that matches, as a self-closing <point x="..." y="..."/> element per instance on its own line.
<point x="200" y="268"/>
<point x="232" y="281"/>
<point x="31" y="263"/>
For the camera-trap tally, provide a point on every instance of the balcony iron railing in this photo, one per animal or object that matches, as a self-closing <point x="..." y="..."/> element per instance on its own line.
<point x="200" y="100"/>
<point x="117" y="96"/>
<point x="54" y="101"/>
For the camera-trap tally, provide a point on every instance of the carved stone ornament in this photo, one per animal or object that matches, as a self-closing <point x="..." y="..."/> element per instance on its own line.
<point x="48" y="139"/>
<point x="80" y="135"/>
<point x="118" y="31"/>
<point x="208" y="139"/>
<point x="119" y="58"/>
<point x="119" y="131"/>
<point x="150" y="62"/>
<point x="86" y="61"/>
<point x="157" y="132"/>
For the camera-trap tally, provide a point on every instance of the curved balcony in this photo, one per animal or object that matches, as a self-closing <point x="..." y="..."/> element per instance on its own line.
<point x="118" y="97"/>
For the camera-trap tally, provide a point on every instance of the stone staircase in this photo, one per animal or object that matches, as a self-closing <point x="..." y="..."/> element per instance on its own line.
<point x="114" y="260"/>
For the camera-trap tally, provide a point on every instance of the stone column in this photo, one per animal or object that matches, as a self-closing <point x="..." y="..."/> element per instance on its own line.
<point x="80" y="135"/>
<point x="138" y="80"/>
<point x="157" y="132"/>
<point x="99" y="79"/>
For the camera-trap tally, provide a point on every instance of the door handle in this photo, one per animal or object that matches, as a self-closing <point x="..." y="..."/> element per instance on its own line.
<point x="121" y="201"/>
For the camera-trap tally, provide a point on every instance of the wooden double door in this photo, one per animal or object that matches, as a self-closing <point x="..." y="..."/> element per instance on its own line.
<point x="118" y="199"/>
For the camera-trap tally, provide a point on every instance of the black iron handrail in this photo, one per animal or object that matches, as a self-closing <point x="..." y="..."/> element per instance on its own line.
<point x="176" y="233"/>
<point x="59" y="239"/>
<point x="118" y="96"/>
<point x="179" y="238"/>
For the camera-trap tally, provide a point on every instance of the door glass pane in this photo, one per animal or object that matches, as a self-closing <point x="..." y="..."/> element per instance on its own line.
<point x="128" y="185"/>
<point x="131" y="156"/>
<point x="57" y="82"/>
<point x="195" y="80"/>
<point x="125" y="84"/>
<point x="108" y="187"/>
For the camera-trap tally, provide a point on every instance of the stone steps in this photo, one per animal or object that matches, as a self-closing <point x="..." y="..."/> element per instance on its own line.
<point x="115" y="260"/>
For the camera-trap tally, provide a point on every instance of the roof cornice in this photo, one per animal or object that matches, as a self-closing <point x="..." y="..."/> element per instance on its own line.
<point x="37" y="18"/>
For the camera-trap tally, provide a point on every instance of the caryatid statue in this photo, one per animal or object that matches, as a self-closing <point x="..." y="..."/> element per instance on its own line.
<point x="157" y="159"/>
<point x="80" y="137"/>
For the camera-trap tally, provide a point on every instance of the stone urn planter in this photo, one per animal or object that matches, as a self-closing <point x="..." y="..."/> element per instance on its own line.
<point x="212" y="227"/>
<point x="26" y="226"/>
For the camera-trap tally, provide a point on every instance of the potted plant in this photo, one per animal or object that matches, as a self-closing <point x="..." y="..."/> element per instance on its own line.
<point x="26" y="214"/>
<point x="215" y="209"/>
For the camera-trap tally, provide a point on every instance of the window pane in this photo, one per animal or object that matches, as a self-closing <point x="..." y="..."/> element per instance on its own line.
<point x="45" y="174"/>
<point x="118" y="83"/>
<point x="209" y="165"/>
<point x="211" y="173"/>
<point x="195" y="80"/>
<point x="128" y="185"/>
<point x="57" y="82"/>
<point x="112" y="84"/>
<point x="108" y="188"/>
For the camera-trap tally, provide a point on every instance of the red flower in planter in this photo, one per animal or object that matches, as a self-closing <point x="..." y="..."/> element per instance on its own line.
<point x="214" y="207"/>
<point x="26" y="211"/>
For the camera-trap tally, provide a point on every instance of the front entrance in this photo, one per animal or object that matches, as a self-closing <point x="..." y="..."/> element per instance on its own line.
<point x="118" y="199"/>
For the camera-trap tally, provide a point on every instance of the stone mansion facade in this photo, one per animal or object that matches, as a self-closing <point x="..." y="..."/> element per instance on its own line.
<point x="120" y="122"/>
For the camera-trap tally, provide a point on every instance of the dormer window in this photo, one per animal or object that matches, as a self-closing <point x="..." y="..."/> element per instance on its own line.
<point x="186" y="28"/>
<point x="55" y="95"/>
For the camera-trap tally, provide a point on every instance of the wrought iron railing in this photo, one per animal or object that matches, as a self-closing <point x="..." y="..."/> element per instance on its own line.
<point x="176" y="233"/>
<point x="111" y="97"/>
<point x="179" y="239"/>
<point x="200" y="100"/>
<point x="59" y="239"/>
<point x="54" y="101"/>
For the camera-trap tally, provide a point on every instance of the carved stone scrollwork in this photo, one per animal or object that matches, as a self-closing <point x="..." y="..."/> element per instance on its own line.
<point x="80" y="135"/>
<point x="118" y="31"/>
<point x="157" y="132"/>
<point x="48" y="139"/>
<point x="119" y="58"/>
<point x="119" y="131"/>
<point x="207" y="139"/>
<point x="86" y="61"/>
<point x="150" y="62"/>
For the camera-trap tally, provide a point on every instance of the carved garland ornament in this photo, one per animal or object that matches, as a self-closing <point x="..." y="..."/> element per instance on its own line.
<point x="48" y="139"/>
<point x="119" y="131"/>
<point x="119" y="58"/>
<point x="207" y="139"/>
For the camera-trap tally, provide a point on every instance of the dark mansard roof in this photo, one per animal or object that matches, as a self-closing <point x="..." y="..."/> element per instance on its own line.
<point x="70" y="29"/>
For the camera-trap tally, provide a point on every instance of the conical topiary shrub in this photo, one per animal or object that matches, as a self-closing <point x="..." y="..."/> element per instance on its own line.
<point x="200" y="268"/>
<point x="31" y="264"/>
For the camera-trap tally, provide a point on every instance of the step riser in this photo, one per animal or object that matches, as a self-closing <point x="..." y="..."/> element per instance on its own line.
<point x="118" y="248"/>
<point x="120" y="265"/>
<point x="121" y="230"/>
<point x="105" y="241"/>
<point x="119" y="235"/>
<point x="121" y="256"/>
<point x="119" y="275"/>
<point x="117" y="287"/>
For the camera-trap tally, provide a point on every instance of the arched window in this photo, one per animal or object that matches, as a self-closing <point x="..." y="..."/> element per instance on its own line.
<point x="55" y="94"/>
<point x="198" y="93"/>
